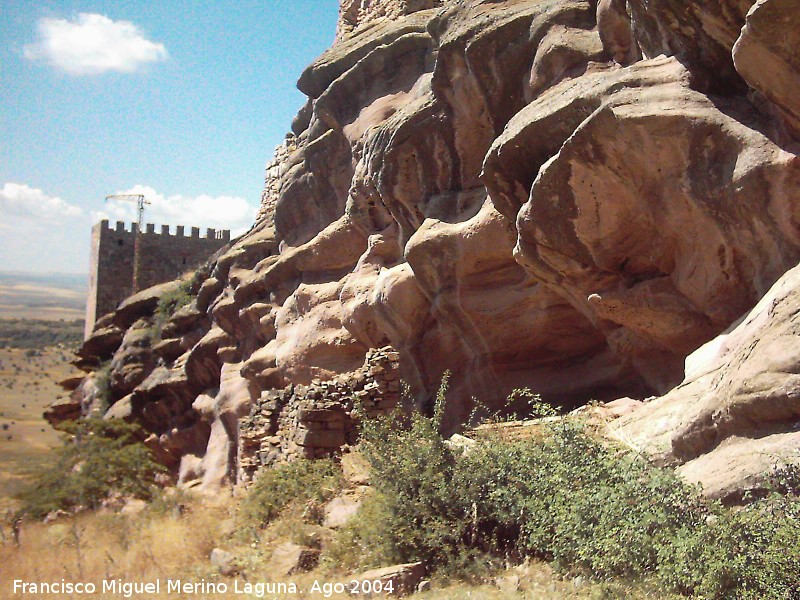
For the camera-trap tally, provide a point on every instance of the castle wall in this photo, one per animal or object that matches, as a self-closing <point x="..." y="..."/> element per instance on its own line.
<point x="164" y="256"/>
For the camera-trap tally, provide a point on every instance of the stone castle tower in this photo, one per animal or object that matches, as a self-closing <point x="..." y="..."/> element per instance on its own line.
<point x="163" y="257"/>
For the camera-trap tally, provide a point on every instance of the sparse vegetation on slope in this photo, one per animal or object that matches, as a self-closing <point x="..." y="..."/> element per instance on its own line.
<point x="27" y="386"/>
<point x="173" y="300"/>
<point x="593" y="512"/>
<point x="170" y="303"/>
<point x="102" y="381"/>
<point x="308" y="482"/>
<point x="171" y="538"/>
<point x="98" y="458"/>
<point x="567" y="498"/>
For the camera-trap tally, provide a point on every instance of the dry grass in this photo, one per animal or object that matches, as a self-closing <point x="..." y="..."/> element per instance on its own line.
<point x="96" y="546"/>
<point x="176" y="544"/>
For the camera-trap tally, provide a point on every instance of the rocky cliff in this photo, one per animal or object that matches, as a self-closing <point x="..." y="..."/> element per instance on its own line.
<point x="565" y="195"/>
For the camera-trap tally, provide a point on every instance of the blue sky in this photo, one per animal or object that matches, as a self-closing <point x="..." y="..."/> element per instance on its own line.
<point x="185" y="100"/>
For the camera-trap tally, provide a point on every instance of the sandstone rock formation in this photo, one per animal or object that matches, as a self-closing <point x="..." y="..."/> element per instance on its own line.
<point x="288" y="559"/>
<point x="737" y="412"/>
<point x="356" y="13"/>
<point x="767" y="56"/>
<point x="565" y="195"/>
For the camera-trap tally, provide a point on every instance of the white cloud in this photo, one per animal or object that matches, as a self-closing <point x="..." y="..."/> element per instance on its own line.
<point x="92" y="44"/>
<point x="19" y="202"/>
<point x="219" y="212"/>
<point x="39" y="232"/>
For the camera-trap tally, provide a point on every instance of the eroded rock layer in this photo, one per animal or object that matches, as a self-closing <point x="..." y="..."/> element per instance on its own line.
<point x="565" y="195"/>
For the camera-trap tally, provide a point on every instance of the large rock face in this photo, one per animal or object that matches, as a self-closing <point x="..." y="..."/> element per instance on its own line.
<point x="767" y="55"/>
<point x="565" y="195"/>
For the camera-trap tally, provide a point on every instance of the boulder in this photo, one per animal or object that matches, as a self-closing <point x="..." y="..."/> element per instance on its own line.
<point x="461" y="444"/>
<point x="134" y="359"/>
<point x="736" y="413"/>
<point x="121" y="409"/>
<point x="340" y="510"/>
<point x="224" y="562"/>
<point x="403" y="579"/>
<point x="183" y="320"/>
<point x="169" y="349"/>
<point x="71" y="382"/>
<point x="102" y="343"/>
<point x="509" y="584"/>
<point x="355" y="469"/>
<point x="767" y="56"/>
<point x="142" y="304"/>
<point x="622" y="406"/>
<point x="134" y="506"/>
<point x="630" y="257"/>
<point x="289" y="559"/>
<point x="65" y="408"/>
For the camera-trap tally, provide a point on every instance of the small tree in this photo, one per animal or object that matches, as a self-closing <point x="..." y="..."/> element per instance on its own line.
<point x="98" y="457"/>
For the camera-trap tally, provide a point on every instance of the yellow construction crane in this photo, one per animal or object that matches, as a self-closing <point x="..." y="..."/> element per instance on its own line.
<point x="137" y="230"/>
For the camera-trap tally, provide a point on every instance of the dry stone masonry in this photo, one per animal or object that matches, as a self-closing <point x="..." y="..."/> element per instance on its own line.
<point x="274" y="171"/>
<point x="354" y="13"/>
<point x="315" y="421"/>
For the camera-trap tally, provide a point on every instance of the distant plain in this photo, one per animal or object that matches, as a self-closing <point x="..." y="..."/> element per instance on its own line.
<point x="49" y="296"/>
<point x="28" y="383"/>
<point x="35" y="309"/>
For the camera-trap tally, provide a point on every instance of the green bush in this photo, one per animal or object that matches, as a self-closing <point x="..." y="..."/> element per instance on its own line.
<point x="168" y="304"/>
<point x="412" y="470"/>
<point x="568" y="498"/>
<point x="521" y="404"/>
<point x="171" y="301"/>
<point x="102" y="382"/>
<point x="97" y="458"/>
<point x="750" y="553"/>
<point x="302" y="482"/>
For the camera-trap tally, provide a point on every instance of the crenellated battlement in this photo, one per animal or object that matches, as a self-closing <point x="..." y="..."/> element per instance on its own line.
<point x="164" y="254"/>
<point x="121" y="228"/>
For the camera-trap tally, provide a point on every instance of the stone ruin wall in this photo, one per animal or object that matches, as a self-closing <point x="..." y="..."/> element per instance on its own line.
<point x="354" y="13"/>
<point x="317" y="420"/>
<point x="276" y="168"/>
<point x="164" y="257"/>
